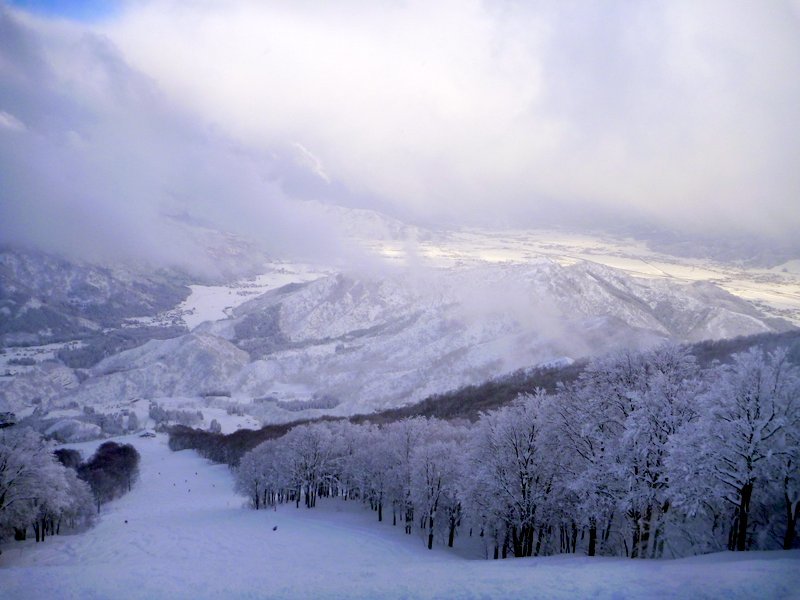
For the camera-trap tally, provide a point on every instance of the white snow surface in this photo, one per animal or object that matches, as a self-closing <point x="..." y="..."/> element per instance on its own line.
<point x="188" y="536"/>
<point x="215" y="302"/>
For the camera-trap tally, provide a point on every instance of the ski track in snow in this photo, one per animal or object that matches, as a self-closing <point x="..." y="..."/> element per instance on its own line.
<point x="202" y="543"/>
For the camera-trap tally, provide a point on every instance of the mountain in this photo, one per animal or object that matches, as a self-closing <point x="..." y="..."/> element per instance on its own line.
<point x="299" y="341"/>
<point x="348" y="343"/>
<point x="379" y="342"/>
<point x="45" y="298"/>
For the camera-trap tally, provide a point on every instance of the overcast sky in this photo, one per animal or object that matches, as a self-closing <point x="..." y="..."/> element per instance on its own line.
<point x="684" y="115"/>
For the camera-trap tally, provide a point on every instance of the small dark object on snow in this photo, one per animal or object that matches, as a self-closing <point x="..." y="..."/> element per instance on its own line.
<point x="126" y="520"/>
<point x="275" y="528"/>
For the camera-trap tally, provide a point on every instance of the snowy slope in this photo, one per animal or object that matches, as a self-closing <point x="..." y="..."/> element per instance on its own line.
<point x="41" y="385"/>
<point x="215" y="302"/>
<point x="374" y="342"/>
<point x="188" y="536"/>
<point x="194" y="364"/>
<point x="45" y="298"/>
<point x="344" y="344"/>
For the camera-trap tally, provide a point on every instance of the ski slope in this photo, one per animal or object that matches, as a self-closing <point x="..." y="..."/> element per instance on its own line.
<point x="187" y="535"/>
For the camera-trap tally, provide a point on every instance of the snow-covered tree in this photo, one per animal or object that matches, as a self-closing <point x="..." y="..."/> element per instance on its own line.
<point x="309" y="451"/>
<point x="513" y="476"/>
<point x="24" y="462"/>
<point x="133" y="421"/>
<point x="643" y="455"/>
<point x="404" y="437"/>
<point x="36" y="489"/>
<point x="435" y="478"/>
<point x="744" y="442"/>
<point x="253" y="473"/>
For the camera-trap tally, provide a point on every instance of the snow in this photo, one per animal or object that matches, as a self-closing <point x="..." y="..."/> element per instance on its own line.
<point x="776" y="290"/>
<point x="214" y="302"/>
<point x="188" y="536"/>
<point x="228" y="423"/>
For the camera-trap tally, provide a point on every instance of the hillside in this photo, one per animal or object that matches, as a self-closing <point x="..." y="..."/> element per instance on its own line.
<point x="466" y="402"/>
<point x="182" y="532"/>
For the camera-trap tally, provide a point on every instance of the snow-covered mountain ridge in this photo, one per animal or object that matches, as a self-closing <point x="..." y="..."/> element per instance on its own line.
<point x="365" y="342"/>
<point x="446" y="309"/>
<point x="44" y="298"/>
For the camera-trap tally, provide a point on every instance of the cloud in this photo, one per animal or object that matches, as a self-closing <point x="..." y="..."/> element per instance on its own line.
<point x="9" y="121"/>
<point x="685" y="115"/>
<point x="104" y="156"/>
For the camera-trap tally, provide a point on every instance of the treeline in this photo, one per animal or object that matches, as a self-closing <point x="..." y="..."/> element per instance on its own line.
<point x="55" y="491"/>
<point x="96" y="348"/>
<point x="227" y="448"/>
<point x="643" y="455"/>
<point x="470" y="401"/>
<point x="467" y="402"/>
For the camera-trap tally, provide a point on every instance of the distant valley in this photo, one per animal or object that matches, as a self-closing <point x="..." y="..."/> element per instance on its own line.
<point x="418" y="312"/>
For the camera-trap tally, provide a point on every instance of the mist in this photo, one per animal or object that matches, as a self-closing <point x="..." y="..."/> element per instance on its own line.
<point x="678" y="115"/>
<point x="98" y="164"/>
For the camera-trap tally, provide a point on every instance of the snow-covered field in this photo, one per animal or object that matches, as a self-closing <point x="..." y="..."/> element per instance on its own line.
<point x="183" y="533"/>
<point x="212" y="303"/>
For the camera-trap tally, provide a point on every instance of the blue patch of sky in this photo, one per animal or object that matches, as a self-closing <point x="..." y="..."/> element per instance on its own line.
<point x="79" y="10"/>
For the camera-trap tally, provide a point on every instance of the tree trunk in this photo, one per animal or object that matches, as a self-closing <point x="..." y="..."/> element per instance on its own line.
<point x="452" y="534"/>
<point x="20" y="534"/>
<point x="516" y="543"/>
<point x="635" y="536"/>
<point x="592" y="538"/>
<point x="656" y="541"/>
<point x="607" y="532"/>
<point x="538" y="542"/>
<point x="575" y="536"/>
<point x="380" y="511"/>
<point x="791" y="522"/>
<point x="732" y="533"/>
<point x="644" y="539"/>
<point x="744" y="514"/>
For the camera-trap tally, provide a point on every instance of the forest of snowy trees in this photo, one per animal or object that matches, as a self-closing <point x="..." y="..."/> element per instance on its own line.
<point x="52" y="491"/>
<point x="644" y="455"/>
